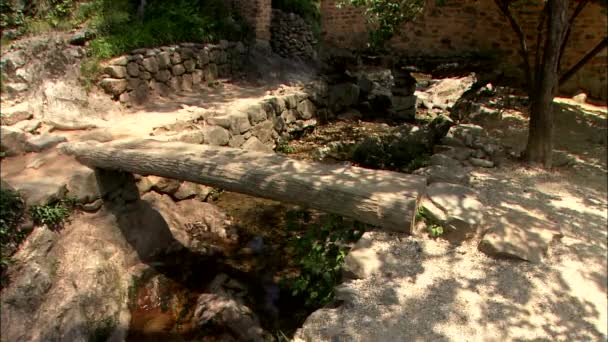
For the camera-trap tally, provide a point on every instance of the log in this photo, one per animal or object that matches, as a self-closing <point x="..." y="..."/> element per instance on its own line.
<point x="380" y="198"/>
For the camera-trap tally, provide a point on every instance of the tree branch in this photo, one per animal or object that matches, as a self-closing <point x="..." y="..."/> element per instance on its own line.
<point x="576" y="67"/>
<point x="523" y="47"/>
<point x="579" y="8"/>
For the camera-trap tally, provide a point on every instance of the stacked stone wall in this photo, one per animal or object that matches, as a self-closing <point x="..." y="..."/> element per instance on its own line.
<point x="292" y="35"/>
<point x="167" y="69"/>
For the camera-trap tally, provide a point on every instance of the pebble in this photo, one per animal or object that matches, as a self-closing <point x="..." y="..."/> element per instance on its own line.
<point x="481" y="162"/>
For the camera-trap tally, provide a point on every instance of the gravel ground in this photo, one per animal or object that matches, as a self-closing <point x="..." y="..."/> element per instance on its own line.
<point x="447" y="292"/>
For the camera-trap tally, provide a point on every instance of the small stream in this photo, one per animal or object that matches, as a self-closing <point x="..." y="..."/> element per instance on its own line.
<point x="163" y="299"/>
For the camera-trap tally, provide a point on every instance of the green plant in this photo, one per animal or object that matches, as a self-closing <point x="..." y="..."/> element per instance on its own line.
<point x="119" y="30"/>
<point x="433" y="225"/>
<point x="89" y="71"/>
<point x="284" y="147"/>
<point x="385" y="17"/>
<point x="52" y="215"/>
<point x="435" y="230"/>
<point x="320" y="252"/>
<point x="11" y="215"/>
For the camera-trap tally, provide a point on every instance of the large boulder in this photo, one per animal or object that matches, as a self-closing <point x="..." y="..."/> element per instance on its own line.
<point x="342" y="96"/>
<point x="13" y="141"/>
<point x="402" y="145"/>
<point x="367" y="258"/>
<point x="519" y="236"/>
<point x="456" y="208"/>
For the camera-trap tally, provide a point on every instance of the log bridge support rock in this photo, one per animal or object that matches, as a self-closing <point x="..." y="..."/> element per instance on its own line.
<point x="380" y="198"/>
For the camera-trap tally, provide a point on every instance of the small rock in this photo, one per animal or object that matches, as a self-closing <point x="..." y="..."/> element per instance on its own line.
<point x="481" y="162"/>
<point x="133" y="69"/>
<point x="227" y="312"/>
<point x="17" y="87"/>
<point x="216" y="135"/>
<point x="122" y="60"/>
<point x="444" y="174"/>
<point x="254" y="144"/>
<point x="444" y="160"/>
<point x="306" y="109"/>
<point x="150" y="64"/>
<point x="93" y="206"/>
<point x="81" y="37"/>
<point x="163" y="76"/>
<point x="580" y="98"/>
<point x="256" y="114"/>
<point x="116" y="71"/>
<point x="83" y="188"/>
<point x="190" y="190"/>
<point x="144" y="185"/>
<point x="28" y="126"/>
<point x="101" y="135"/>
<point x="466" y="132"/>
<point x="12" y="115"/>
<point x="164" y="185"/>
<point x="114" y="86"/>
<point x="44" y="142"/>
<point x="178" y="69"/>
<point x="189" y="65"/>
<point x="13" y="141"/>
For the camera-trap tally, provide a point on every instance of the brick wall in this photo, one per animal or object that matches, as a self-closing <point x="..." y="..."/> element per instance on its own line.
<point x="469" y="26"/>
<point x="259" y="15"/>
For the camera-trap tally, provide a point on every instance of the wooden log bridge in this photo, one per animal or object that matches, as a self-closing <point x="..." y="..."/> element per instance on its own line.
<point x="380" y="198"/>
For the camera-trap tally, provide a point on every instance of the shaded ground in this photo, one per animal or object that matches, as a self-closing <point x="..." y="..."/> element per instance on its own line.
<point x="456" y="293"/>
<point x="446" y="292"/>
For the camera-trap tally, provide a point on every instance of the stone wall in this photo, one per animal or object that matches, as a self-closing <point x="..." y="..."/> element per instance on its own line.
<point x="471" y="26"/>
<point x="291" y="35"/>
<point x="133" y="77"/>
<point x="258" y="126"/>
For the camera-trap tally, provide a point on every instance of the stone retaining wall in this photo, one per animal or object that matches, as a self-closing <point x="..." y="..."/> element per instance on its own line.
<point x="291" y="35"/>
<point x="162" y="70"/>
<point x="259" y="126"/>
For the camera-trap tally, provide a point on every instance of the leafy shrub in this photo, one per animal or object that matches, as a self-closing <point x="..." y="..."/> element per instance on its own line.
<point x="320" y="252"/>
<point x="385" y="17"/>
<point x="52" y="215"/>
<point x="120" y="30"/>
<point x="11" y="213"/>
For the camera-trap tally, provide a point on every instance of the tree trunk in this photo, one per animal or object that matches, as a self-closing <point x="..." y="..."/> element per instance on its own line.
<point x="540" y="139"/>
<point x="380" y="198"/>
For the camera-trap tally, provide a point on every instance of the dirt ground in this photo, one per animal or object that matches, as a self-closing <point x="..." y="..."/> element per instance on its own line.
<point x="453" y="292"/>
